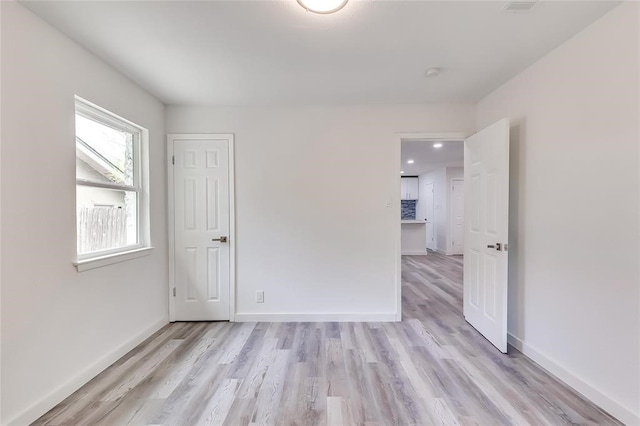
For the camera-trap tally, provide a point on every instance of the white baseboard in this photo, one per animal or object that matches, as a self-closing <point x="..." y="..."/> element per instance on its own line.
<point x="59" y="394"/>
<point x="414" y="253"/>
<point x="587" y="390"/>
<point x="319" y="317"/>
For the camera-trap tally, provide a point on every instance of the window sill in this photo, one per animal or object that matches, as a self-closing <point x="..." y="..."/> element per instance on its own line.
<point x="98" y="262"/>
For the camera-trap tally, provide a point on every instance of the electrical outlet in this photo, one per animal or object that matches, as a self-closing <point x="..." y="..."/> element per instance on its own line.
<point x="259" y="296"/>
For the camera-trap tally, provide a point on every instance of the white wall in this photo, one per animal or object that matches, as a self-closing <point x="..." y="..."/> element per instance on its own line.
<point x="61" y="327"/>
<point x="574" y="279"/>
<point x="313" y="231"/>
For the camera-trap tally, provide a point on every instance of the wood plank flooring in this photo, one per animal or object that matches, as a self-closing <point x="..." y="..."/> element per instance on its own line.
<point x="431" y="368"/>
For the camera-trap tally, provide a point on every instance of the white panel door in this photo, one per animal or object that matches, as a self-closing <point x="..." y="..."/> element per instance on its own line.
<point x="486" y="176"/>
<point x="429" y="214"/>
<point x="201" y="226"/>
<point x="457" y="216"/>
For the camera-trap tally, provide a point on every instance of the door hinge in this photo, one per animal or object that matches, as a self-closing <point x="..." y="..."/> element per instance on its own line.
<point x="173" y="159"/>
<point x="174" y="292"/>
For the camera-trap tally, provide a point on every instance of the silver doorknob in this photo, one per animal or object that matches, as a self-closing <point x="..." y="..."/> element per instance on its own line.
<point x="221" y="239"/>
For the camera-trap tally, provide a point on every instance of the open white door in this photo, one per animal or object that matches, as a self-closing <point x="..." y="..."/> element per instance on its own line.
<point x="486" y="222"/>
<point x="201" y="254"/>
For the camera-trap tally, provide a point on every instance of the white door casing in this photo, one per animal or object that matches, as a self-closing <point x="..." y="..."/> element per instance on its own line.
<point x="201" y="196"/>
<point x="429" y="214"/>
<point x="486" y="176"/>
<point x="457" y="216"/>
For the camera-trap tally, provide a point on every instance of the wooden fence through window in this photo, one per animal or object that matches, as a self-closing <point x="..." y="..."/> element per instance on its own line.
<point x="101" y="228"/>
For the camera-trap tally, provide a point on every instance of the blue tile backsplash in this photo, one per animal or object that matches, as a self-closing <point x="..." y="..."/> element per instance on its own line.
<point x="408" y="209"/>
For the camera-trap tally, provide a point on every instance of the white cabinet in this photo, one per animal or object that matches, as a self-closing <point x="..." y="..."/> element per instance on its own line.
<point x="409" y="188"/>
<point x="413" y="187"/>
<point x="404" y="191"/>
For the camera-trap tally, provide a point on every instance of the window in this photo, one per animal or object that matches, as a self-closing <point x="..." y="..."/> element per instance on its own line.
<point x="111" y="212"/>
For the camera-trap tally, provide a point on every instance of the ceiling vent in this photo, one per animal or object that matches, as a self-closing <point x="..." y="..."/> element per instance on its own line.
<point x="519" y="6"/>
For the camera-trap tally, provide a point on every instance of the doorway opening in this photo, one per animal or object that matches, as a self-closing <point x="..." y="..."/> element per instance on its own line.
<point x="470" y="216"/>
<point x="432" y="226"/>
<point x="432" y="197"/>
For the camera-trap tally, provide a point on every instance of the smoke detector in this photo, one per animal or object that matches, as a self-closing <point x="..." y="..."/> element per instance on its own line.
<point x="519" y="6"/>
<point x="433" y="72"/>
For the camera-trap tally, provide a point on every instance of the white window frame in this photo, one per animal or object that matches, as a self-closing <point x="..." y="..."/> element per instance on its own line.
<point x="140" y="186"/>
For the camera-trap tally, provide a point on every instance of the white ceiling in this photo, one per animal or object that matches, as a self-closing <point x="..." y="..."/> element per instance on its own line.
<point x="427" y="158"/>
<point x="275" y="53"/>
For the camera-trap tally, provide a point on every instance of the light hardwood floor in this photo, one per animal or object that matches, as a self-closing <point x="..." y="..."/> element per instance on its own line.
<point x="431" y="368"/>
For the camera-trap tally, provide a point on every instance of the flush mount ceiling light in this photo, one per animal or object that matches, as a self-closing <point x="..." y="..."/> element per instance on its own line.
<point x="410" y="161"/>
<point x="437" y="145"/>
<point x="322" y="6"/>
<point x="401" y="171"/>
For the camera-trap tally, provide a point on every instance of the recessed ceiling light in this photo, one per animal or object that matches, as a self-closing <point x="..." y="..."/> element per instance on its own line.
<point x="401" y="171"/>
<point x="410" y="161"/>
<point x="322" y="6"/>
<point x="437" y="145"/>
